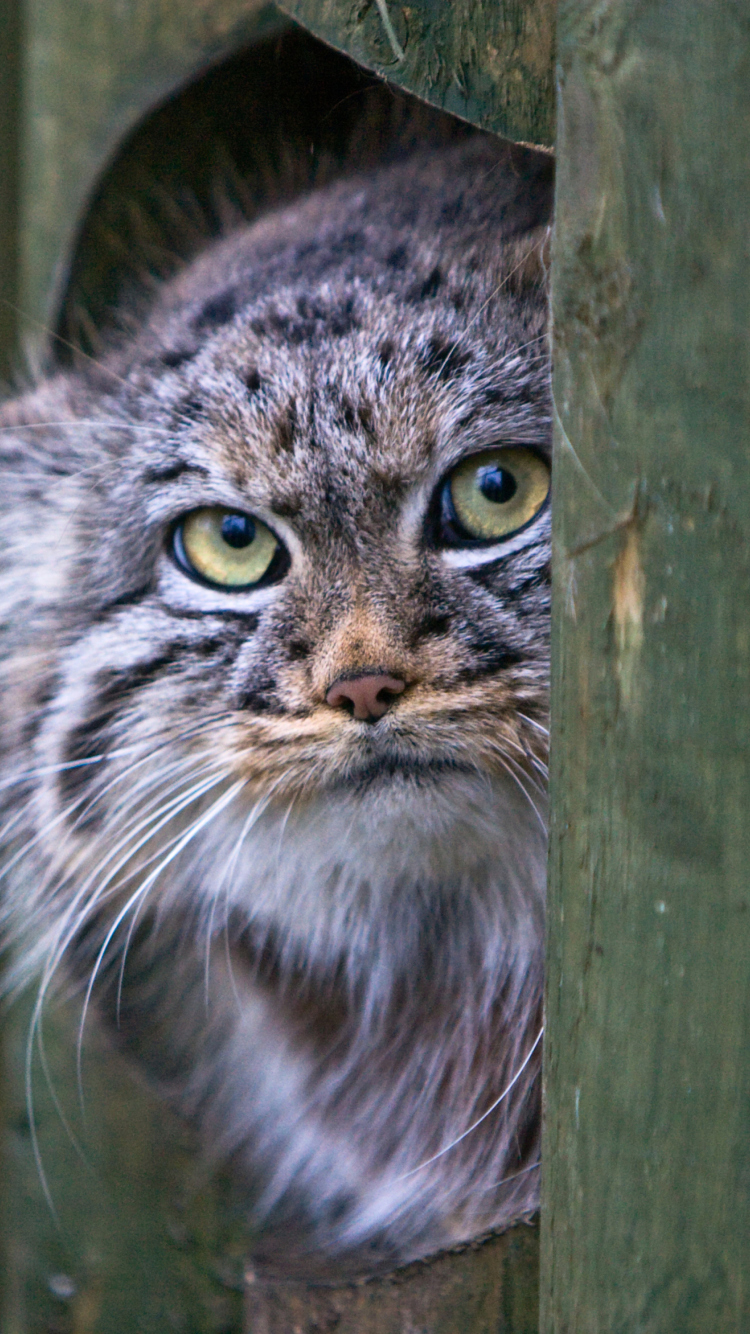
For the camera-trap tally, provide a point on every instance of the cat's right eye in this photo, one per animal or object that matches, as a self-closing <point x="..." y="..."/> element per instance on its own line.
<point x="228" y="549"/>
<point x="491" y="496"/>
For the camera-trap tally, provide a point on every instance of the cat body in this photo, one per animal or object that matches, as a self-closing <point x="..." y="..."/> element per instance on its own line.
<point x="288" y="834"/>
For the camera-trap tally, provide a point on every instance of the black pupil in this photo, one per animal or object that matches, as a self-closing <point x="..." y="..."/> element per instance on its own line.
<point x="496" y="484"/>
<point x="237" y="530"/>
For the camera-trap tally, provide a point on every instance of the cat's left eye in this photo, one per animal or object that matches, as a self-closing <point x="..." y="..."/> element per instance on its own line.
<point x="227" y="549"/>
<point x="492" y="495"/>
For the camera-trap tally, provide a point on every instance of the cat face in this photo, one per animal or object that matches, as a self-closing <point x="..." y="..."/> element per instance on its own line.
<point x="336" y="414"/>
<point x="344" y="392"/>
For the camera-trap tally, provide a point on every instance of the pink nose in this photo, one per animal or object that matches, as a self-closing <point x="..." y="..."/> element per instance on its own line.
<point x="369" y="694"/>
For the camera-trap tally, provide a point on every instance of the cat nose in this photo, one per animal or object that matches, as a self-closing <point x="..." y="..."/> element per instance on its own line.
<point x="370" y="694"/>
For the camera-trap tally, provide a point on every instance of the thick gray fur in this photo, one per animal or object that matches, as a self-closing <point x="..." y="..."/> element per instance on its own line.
<point x="322" y="938"/>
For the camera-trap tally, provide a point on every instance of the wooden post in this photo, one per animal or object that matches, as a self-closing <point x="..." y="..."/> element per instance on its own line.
<point x="646" y="1220"/>
<point x="10" y="120"/>
<point x="491" y="1287"/>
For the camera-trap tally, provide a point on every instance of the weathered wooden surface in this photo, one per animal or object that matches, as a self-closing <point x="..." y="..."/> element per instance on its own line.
<point x="491" y="63"/>
<point x="90" y="72"/>
<point x="111" y="1222"/>
<point x="646" y="1225"/>
<point x="10" y="120"/>
<point x="492" y="1288"/>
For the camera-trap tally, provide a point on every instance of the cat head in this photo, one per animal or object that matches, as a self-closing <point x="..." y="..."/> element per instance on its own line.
<point x="321" y="467"/>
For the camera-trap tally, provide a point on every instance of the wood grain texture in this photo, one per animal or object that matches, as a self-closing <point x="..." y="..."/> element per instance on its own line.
<point x="10" y="120"/>
<point x="488" y="1288"/>
<point x="90" y="72"/>
<point x="491" y="63"/>
<point x="112" y="1221"/>
<point x="646" y="1223"/>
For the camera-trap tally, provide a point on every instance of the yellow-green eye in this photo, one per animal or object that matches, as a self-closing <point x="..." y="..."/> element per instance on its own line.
<point x="226" y="548"/>
<point x="489" y="496"/>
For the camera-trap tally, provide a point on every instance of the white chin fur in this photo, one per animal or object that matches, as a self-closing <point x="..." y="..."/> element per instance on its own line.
<point x="342" y="866"/>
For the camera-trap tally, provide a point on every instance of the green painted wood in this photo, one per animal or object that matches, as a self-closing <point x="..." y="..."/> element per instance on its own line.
<point x="490" y="61"/>
<point x="91" y="71"/>
<point x="646" y="1221"/>
<point x="10" y="120"/>
<point x="111" y="1222"/>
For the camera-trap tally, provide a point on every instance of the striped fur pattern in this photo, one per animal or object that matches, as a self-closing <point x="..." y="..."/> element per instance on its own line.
<point x="321" y="938"/>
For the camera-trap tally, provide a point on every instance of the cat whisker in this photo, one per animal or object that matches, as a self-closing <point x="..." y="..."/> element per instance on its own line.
<point x="64" y="342"/>
<point x="143" y="889"/>
<point x="167" y="739"/>
<point x="252" y="818"/>
<point x="78" y="423"/>
<point x="532" y="1167"/>
<point x="33" y="1132"/>
<point x="459" y="1138"/>
<point x="532" y="722"/>
<point x="510" y="768"/>
<point x="73" y="920"/>
<point x="482" y="308"/>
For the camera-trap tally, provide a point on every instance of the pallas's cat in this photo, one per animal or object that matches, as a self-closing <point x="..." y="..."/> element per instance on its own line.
<point x="274" y="631"/>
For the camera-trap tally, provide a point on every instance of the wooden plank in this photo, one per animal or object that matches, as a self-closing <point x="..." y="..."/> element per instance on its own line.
<point x="646" y="1224"/>
<point x="490" y="62"/>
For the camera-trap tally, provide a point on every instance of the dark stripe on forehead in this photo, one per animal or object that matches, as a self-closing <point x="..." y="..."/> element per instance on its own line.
<point x="218" y="310"/>
<point x="175" y="357"/>
<point x="311" y="322"/>
<point x="426" y="288"/>
<point x="513" y="391"/>
<point x="190" y="409"/>
<point x="169" y="472"/>
<point x="285" y="428"/>
<point x="442" y="357"/>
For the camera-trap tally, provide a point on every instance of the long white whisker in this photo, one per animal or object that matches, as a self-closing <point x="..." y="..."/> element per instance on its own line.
<point x="146" y="885"/>
<point x="478" y="314"/>
<point x="252" y="818"/>
<point x="507" y="763"/>
<point x="152" y="823"/>
<point x="504" y="1180"/>
<point x="72" y="919"/>
<point x="35" y="1149"/>
<point x="76" y="423"/>
<point x="533" y="723"/>
<point x="484" y="1115"/>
